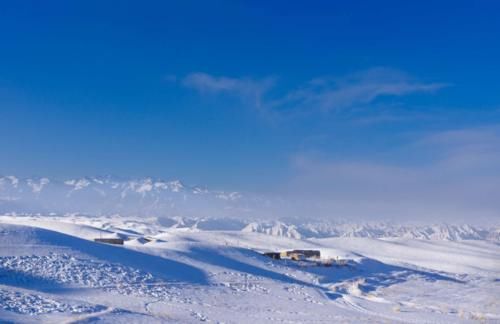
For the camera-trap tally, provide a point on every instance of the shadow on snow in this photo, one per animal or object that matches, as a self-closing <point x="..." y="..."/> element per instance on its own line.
<point x="169" y="270"/>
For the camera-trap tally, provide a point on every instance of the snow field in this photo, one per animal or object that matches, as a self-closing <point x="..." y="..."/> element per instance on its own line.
<point x="51" y="272"/>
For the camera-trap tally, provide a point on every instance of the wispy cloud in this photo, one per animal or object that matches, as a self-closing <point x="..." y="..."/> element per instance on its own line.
<point x="475" y="149"/>
<point x="319" y="94"/>
<point x="246" y="88"/>
<point x="328" y="94"/>
<point x="459" y="181"/>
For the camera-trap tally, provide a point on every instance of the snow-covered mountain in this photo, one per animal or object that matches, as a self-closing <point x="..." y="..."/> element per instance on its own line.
<point x="375" y="230"/>
<point x="297" y="230"/>
<point x="108" y="195"/>
<point x="276" y="228"/>
<point x="177" y="205"/>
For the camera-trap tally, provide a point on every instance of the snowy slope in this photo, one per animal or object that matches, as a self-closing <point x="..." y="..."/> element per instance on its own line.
<point x="52" y="271"/>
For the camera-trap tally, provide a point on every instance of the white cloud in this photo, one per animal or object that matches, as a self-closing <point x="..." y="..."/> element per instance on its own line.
<point x="460" y="181"/>
<point x="327" y="94"/>
<point x="246" y="88"/>
<point x="319" y="94"/>
<point x="472" y="148"/>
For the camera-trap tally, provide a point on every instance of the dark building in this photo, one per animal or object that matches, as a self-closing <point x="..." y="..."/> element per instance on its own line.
<point x="117" y="241"/>
<point x="305" y="253"/>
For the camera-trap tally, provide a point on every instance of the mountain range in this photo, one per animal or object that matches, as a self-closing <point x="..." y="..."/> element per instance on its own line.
<point x="177" y="205"/>
<point x="108" y="195"/>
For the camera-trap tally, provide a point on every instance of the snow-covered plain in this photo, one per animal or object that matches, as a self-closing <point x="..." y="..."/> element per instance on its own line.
<point x="51" y="270"/>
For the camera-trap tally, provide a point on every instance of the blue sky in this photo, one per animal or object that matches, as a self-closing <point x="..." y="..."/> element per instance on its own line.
<point x="254" y="96"/>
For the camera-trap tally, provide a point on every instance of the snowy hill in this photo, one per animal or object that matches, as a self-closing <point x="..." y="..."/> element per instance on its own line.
<point x="52" y="271"/>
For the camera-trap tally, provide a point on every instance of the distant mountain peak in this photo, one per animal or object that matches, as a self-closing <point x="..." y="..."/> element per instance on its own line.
<point x="109" y="195"/>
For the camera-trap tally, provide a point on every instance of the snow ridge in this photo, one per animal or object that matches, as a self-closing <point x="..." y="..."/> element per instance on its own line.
<point x="375" y="230"/>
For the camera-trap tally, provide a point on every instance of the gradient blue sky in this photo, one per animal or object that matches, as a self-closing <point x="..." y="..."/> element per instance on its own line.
<point x="346" y="99"/>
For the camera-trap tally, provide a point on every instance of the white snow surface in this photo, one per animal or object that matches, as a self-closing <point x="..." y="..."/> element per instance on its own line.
<point x="52" y="271"/>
